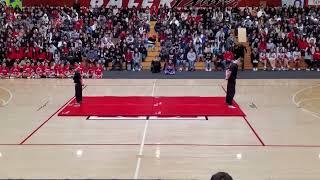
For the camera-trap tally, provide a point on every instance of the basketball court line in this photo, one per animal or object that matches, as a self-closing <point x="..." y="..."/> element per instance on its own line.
<point x="136" y="173"/>
<point x="157" y="144"/>
<point x="10" y="97"/>
<point x="297" y="104"/>
<point x="254" y="131"/>
<point x="34" y="131"/>
<point x="179" y="85"/>
<point x="248" y="123"/>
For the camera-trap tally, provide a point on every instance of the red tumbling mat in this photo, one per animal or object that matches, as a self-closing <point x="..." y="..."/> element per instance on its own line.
<point x="151" y="106"/>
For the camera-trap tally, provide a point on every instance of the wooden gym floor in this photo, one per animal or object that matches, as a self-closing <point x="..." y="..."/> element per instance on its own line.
<point x="277" y="140"/>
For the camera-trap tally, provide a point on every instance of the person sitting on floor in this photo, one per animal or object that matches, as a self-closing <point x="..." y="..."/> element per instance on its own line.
<point x="170" y="68"/>
<point x="4" y="71"/>
<point x="155" y="66"/>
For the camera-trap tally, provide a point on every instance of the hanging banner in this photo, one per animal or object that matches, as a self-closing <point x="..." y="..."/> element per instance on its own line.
<point x="153" y="3"/>
<point x="313" y="2"/>
<point x="295" y="3"/>
<point x="14" y="3"/>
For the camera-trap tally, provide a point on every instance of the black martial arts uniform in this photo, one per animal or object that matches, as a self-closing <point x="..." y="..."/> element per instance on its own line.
<point x="77" y="79"/>
<point x="231" y="87"/>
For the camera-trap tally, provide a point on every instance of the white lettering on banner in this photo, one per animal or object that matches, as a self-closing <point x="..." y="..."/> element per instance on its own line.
<point x="166" y="2"/>
<point x="182" y="3"/>
<point x="296" y="3"/>
<point x="132" y="3"/>
<point x="147" y="3"/>
<point x="96" y="3"/>
<point x="117" y="3"/>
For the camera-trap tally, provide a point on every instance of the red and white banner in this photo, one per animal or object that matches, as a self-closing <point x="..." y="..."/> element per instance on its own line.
<point x="153" y="3"/>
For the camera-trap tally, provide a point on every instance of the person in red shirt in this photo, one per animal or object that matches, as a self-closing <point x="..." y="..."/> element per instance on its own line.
<point x="122" y="35"/>
<point x="57" y="67"/>
<point x="19" y="53"/>
<point x="61" y="71"/>
<point x="52" y="70"/>
<point x="10" y="54"/>
<point x="303" y="44"/>
<point x="15" y="71"/>
<point x="48" y="56"/>
<point x="41" y="56"/>
<point x="162" y="37"/>
<point x="38" y="69"/>
<point x="91" y="70"/>
<point x="77" y="67"/>
<point x="46" y="70"/>
<point x="128" y="57"/>
<point x="262" y="46"/>
<point x="27" y="71"/>
<point x="316" y="58"/>
<point x="228" y="56"/>
<point x="84" y="70"/>
<point x="78" y="25"/>
<point x="68" y="71"/>
<point x="291" y="35"/>
<point x="4" y="71"/>
<point x="98" y="72"/>
<point x="28" y="53"/>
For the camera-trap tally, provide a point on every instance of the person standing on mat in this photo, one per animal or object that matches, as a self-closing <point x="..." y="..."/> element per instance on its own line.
<point x="231" y="76"/>
<point x="77" y="79"/>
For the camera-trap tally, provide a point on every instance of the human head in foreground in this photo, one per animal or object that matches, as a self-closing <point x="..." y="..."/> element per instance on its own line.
<point x="221" y="176"/>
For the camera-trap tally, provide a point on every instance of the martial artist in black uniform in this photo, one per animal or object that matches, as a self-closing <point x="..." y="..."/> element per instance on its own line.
<point x="231" y="76"/>
<point x="77" y="79"/>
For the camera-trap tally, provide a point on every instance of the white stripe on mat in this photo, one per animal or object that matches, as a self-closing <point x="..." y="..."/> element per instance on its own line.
<point x="177" y="118"/>
<point x="117" y="118"/>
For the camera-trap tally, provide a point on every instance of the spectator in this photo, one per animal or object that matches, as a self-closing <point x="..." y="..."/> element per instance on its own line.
<point x="137" y="60"/>
<point x="255" y="59"/>
<point x="4" y="71"/>
<point x="228" y="56"/>
<point x="128" y="59"/>
<point x="316" y="57"/>
<point x="272" y="57"/>
<point x="309" y="59"/>
<point x="169" y="68"/>
<point x="181" y="61"/>
<point x="155" y="66"/>
<point x="296" y="59"/>
<point x="208" y="59"/>
<point x="192" y="57"/>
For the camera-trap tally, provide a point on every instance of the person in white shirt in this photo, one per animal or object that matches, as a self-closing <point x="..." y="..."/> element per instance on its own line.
<point x="273" y="59"/>
<point x="285" y="61"/>
<point x="192" y="57"/>
<point x="280" y="58"/>
<point x="296" y="59"/>
<point x="289" y="56"/>
<point x="137" y="60"/>
<point x="264" y="59"/>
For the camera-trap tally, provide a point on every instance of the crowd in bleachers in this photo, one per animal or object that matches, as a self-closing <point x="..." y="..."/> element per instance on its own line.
<point x="282" y="38"/>
<point x="190" y="35"/>
<point x="56" y="41"/>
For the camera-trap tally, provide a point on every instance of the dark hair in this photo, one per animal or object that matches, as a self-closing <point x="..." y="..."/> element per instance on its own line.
<point x="221" y="176"/>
